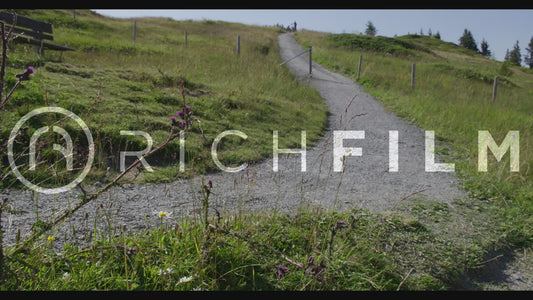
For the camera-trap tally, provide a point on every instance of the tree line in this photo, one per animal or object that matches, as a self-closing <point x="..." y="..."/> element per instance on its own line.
<point x="467" y="40"/>
<point x="514" y="56"/>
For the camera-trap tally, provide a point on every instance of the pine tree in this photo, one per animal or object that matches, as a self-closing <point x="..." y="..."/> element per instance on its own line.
<point x="485" y="49"/>
<point x="370" y="29"/>
<point x="467" y="41"/>
<point x="507" y="55"/>
<point x="528" y="60"/>
<point x="437" y="35"/>
<point x="514" y="55"/>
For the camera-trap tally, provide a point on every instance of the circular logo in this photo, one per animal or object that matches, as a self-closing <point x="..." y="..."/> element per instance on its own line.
<point x="69" y="114"/>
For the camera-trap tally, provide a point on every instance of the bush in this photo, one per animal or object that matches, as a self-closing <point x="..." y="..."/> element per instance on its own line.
<point x="379" y="44"/>
<point x="505" y="69"/>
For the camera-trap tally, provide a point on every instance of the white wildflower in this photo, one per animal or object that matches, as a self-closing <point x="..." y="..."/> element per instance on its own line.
<point x="163" y="214"/>
<point x="185" y="279"/>
<point x="167" y="271"/>
<point x="66" y="276"/>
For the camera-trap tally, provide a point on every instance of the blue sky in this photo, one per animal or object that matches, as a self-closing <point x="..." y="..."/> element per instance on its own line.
<point x="501" y="28"/>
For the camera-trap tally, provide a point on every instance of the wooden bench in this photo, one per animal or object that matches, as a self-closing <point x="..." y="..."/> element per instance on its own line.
<point x="32" y="31"/>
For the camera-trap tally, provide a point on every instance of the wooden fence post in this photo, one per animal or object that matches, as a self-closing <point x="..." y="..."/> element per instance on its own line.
<point x="238" y="44"/>
<point x="185" y="38"/>
<point x="134" y="29"/>
<point x="359" y="67"/>
<point x="494" y="89"/>
<point x="310" y="60"/>
<point x="413" y="77"/>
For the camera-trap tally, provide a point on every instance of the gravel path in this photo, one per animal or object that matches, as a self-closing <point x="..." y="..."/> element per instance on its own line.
<point x="365" y="182"/>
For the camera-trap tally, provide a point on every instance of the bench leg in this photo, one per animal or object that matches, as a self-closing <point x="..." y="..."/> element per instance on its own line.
<point x="38" y="49"/>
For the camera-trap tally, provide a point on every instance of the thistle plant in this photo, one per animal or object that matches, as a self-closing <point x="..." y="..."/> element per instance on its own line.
<point x="5" y="36"/>
<point x="177" y="129"/>
<point x="183" y="118"/>
<point x="180" y="124"/>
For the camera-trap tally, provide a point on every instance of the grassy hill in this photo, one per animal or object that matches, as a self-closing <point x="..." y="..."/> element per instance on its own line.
<point x="115" y="83"/>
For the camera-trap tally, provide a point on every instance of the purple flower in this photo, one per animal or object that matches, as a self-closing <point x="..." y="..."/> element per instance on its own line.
<point x="187" y="108"/>
<point x="340" y="225"/>
<point x="282" y="270"/>
<point x="310" y="260"/>
<point x="173" y="118"/>
<point x="182" y="124"/>
<point x="26" y="75"/>
<point x="179" y="114"/>
<point x="131" y="251"/>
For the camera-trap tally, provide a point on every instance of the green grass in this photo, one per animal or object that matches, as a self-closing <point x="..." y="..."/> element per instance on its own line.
<point x="453" y="97"/>
<point x="116" y="83"/>
<point x="352" y="250"/>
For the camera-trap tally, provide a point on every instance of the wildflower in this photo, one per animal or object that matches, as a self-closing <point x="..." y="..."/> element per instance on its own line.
<point x="50" y="238"/>
<point x="281" y="270"/>
<point x="131" y="251"/>
<point x="66" y="276"/>
<point x="162" y="214"/>
<point x="167" y="271"/>
<point x="314" y="269"/>
<point x="26" y="75"/>
<point x="210" y="183"/>
<point x="185" y="115"/>
<point x="185" y="279"/>
<point x="341" y="224"/>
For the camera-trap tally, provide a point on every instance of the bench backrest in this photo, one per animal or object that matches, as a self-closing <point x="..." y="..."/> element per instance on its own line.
<point x="27" y="26"/>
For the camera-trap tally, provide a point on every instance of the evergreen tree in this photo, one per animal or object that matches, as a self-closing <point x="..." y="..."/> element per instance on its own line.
<point x="514" y="55"/>
<point x="467" y="41"/>
<point x="437" y="35"/>
<point x="528" y="60"/>
<point x="485" y="49"/>
<point x="507" y="55"/>
<point x="370" y="29"/>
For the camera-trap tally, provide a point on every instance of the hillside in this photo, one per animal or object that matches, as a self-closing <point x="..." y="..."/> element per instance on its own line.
<point x="452" y="92"/>
<point x="453" y="96"/>
<point x="115" y="83"/>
